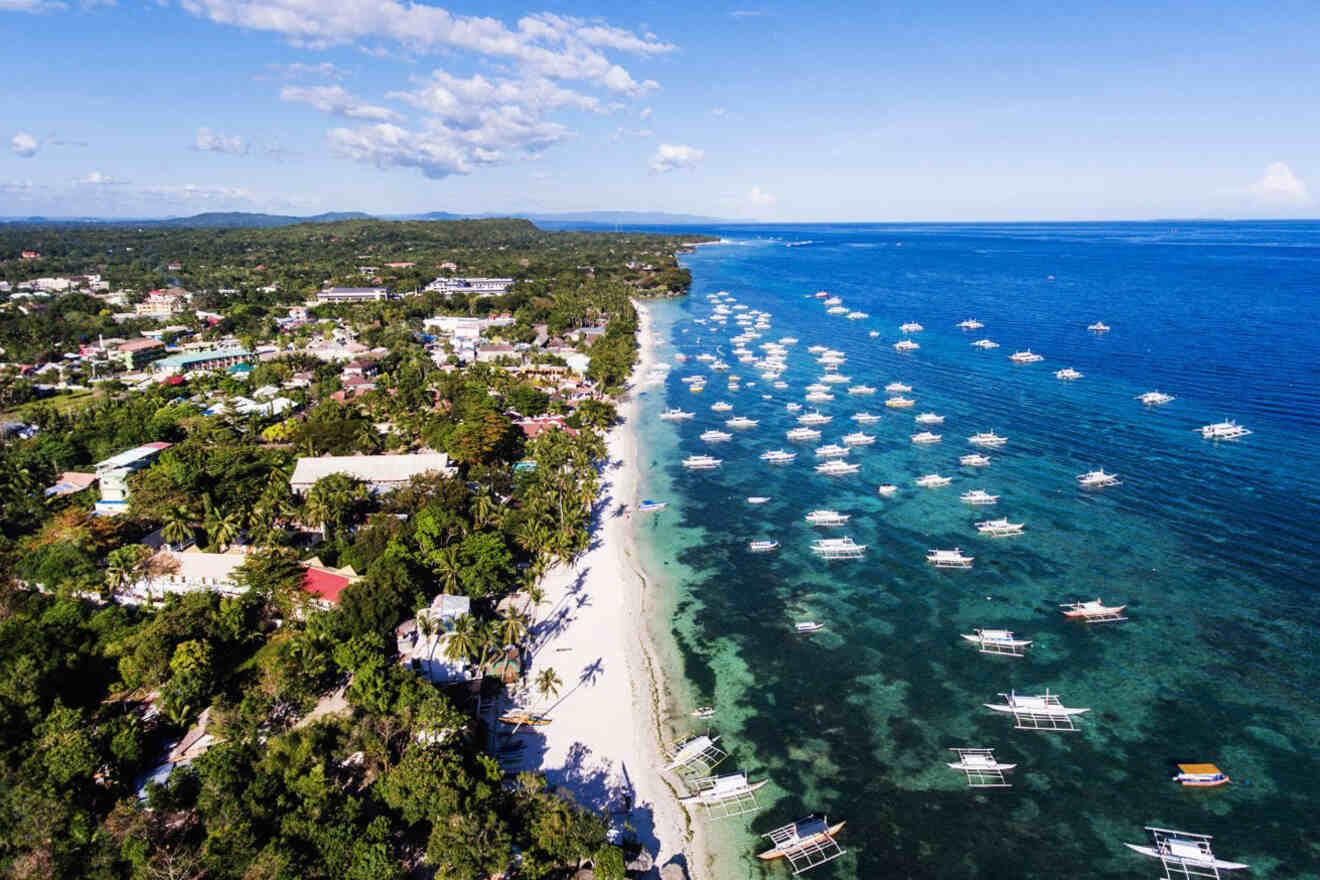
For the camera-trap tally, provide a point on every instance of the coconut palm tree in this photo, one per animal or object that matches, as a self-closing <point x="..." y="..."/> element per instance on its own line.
<point x="178" y="527"/>
<point x="485" y="509"/>
<point x="513" y="629"/>
<point x="464" y="640"/>
<point x="549" y="683"/>
<point x="448" y="566"/>
<point x="223" y="529"/>
<point x="123" y="565"/>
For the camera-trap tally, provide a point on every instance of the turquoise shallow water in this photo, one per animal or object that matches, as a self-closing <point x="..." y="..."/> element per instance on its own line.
<point x="1211" y="544"/>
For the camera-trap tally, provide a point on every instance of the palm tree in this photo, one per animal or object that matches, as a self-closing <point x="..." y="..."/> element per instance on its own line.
<point x="513" y="629"/>
<point x="485" y="509"/>
<point x="535" y="596"/>
<point x="123" y="564"/>
<point x="549" y="683"/>
<point x="489" y="643"/>
<point x="223" y="529"/>
<point x="448" y="567"/>
<point x="178" y="527"/>
<point x="463" y="640"/>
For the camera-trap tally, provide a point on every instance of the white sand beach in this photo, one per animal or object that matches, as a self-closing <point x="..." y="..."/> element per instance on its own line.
<point x="602" y="743"/>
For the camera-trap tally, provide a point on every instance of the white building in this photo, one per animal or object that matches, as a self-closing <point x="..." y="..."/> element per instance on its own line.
<point x="352" y="294"/>
<point x="478" y="286"/>
<point x="381" y="473"/>
<point x="422" y="641"/>
<point x="186" y="572"/>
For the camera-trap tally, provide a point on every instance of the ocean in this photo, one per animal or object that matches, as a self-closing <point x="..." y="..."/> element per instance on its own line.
<point x="1211" y="545"/>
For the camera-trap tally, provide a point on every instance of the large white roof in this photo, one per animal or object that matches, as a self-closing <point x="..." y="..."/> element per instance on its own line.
<point x="368" y="468"/>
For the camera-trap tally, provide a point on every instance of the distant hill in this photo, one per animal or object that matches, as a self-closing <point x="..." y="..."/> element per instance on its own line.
<point x="241" y="219"/>
<point x="627" y="218"/>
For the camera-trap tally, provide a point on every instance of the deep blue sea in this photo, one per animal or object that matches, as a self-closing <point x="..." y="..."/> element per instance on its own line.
<point x="1212" y="545"/>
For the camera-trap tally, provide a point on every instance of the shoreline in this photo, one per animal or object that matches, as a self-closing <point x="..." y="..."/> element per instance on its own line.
<point x="604" y="743"/>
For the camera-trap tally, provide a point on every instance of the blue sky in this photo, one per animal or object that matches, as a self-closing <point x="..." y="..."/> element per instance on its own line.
<point x="775" y="111"/>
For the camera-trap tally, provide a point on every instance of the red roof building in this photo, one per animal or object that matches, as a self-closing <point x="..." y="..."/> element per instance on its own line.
<point x="325" y="585"/>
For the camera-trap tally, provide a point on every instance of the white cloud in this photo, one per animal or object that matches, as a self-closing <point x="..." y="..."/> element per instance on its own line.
<point x="670" y="157"/>
<point x="323" y="70"/>
<point x="457" y="99"/>
<point x="544" y="44"/>
<point x="719" y="111"/>
<point x="645" y="113"/>
<point x="335" y="100"/>
<point x="760" y="198"/>
<point x="96" y="178"/>
<point x="208" y="141"/>
<point x="33" y="7"/>
<point x="1279" y="186"/>
<point x="24" y="144"/>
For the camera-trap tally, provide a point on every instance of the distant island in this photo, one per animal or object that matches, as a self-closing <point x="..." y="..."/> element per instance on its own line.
<point x="250" y="220"/>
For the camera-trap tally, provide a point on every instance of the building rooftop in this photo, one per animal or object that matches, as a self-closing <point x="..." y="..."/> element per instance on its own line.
<point x="368" y="468"/>
<point x="130" y="457"/>
<point x="175" y="361"/>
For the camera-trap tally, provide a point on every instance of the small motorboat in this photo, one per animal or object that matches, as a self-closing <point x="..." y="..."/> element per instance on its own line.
<point x="763" y="546"/>
<point x="1201" y="776"/>
<point x="647" y="506"/>
<point x="758" y="499"/>
<point x="808" y="626"/>
<point x="704" y="712"/>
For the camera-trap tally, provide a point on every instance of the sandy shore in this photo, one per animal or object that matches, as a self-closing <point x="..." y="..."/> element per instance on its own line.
<point x="603" y="743"/>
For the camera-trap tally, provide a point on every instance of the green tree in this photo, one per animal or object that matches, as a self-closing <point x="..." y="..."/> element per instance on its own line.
<point x="488" y="567"/>
<point x="548" y="683"/>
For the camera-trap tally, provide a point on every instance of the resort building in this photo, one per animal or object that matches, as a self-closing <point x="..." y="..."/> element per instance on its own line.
<point x="137" y="353"/>
<point x="352" y="294"/>
<point x="477" y="286"/>
<point x="201" y="361"/>
<point x="422" y="641"/>
<point x="162" y="303"/>
<point x="113" y="474"/>
<point x="380" y="473"/>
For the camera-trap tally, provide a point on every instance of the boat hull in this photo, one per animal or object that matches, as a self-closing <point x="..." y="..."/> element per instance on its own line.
<point x="1201" y="863"/>
<point x="777" y="853"/>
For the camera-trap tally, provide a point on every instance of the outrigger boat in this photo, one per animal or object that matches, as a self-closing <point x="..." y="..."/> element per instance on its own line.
<point x="887" y="490"/>
<point x="1098" y="480"/>
<point x="828" y="518"/>
<point x="999" y="528"/>
<point x="858" y="438"/>
<point x="997" y="641"/>
<point x="1039" y="712"/>
<point x="703" y="712"/>
<point x="1067" y="374"/>
<point x="647" y="505"/>
<point x="758" y="499"/>
<point x="838" y="548"/>
<point x="724" y="796"/>
<point x="926" y="438"/>
<point x="911" y="327"/>
<point x="1093" y="611"/>
<point x="523" y="718"/>
<point x="1155" y="398"/>
<point x="1099" y="327"/>
<point x="778" y="456"/>
<point x="900" y="403"/>
<point x="675" y="415"/>
<point x="865" y="418"/>
<point x="808" y="626"/>
<point x="1225" y="430"/>
<point x="763" y="546"/>
<point x="1184" y="854"/>
<point x="897" y="388"/>
<point x="978" y="497"/>
<point x="906" y="345"/>
<point x="837" y="467"/>
<point x="929" y="418"/>
<point x="713" y="436"/>
<point x="985" y="344"/>
<point x="1025" y="357"/>
<point x="949" y="558"/>
<point x="981" y="767"/>
<point x="807" y="843"/>
<point x="701" y="462"/>
<point x="970" y="324"/>
<point x="988" y="439"/>
<point x="1201" y="776"/>
<point x="933" y="481"/>
<point x="975" y="459"/>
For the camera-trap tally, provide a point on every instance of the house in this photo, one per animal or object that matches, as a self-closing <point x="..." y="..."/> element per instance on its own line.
<point x="539" y="424"/>
<point x="137" y="353"/>
<point x="69" y="483"/>
<point x="324" y="584"/>
<point x="186" y="572"/>
<point x="494" y="351"/>
<point x="113" y="474"/>
<point x="352" y="294"/>
<point x="29" y="255"/>
<point x="399" y="265"/>
<point x="162" y="303"/>
<point x="381" y="473"/>
<point x="200" y="361"/>
<point x="421" y="641"/>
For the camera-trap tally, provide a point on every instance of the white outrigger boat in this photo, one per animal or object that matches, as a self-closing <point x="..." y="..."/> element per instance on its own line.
<point x="1067" y="374"/>
<point x="741" y="422"/>
<point x="911" y="327"/>
<point x="906" y="345"/>
<point x="997" y="641"/>
<point x="1225" y="430"/>
<point x="1201" y="776"/>
<point x="721" y="406"/>
<point x="861" y="390"/>
<point x="981" y="768"/>
<point x="888" y="490"/>
<point x="900" y="403"/>
<point x="808" y="626"/>
<point x="714" y="436"/>
<point x="1039" y="712"/>
<point x="857" y="316"/>
<point x="987" y="439"/>
<point x="835" y="378"/>
<point x="676" y="415"/>
<point x="807" y="843"/>
<point x="700" y="753"/>
<point x="897" y="388"/>
<point x="1184" y="854"/>
<point x="701" y="462"/>
<point x="928" y="418"/>
<point x="837" y="468"/>
<point x="933" y="481"/>
<point x="1099" y="327"/>
<point x="858" y="438"/>
<point x="792" y="407"/>
<point x="1025" y="357"/>
<point x="1093" y="611"/>
<point x="926" y="438"/>
<point x="999" y="528"/>
<point x="865" y="418"/>
<point x="1155" y="398"/>
<point x="827" y="518"/>
<point x="970" y="324"/>
<point x="758" y="499"/>
<point x="724" y="796"/>
<point x="985" y="344"/>
<point x="763" y="546"/>
<point x="649" y="506"/>
<point x="1098" y="480"/>
<point x="837" y="310"/>
<point x="832" y="451"/>
<point x="778" y="456"/>
<point x="949" y="558"/>
<point x="814" y="418"/>
<point x="818" y="397"/>
<point x="838" y="548"/>
<point x="974" y="459"/>
<point x="978" y="497"/>
<point x="803" y="434"/>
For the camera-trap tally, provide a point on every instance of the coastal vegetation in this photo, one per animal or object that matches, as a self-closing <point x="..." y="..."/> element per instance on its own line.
<point x="263" y="731"/>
